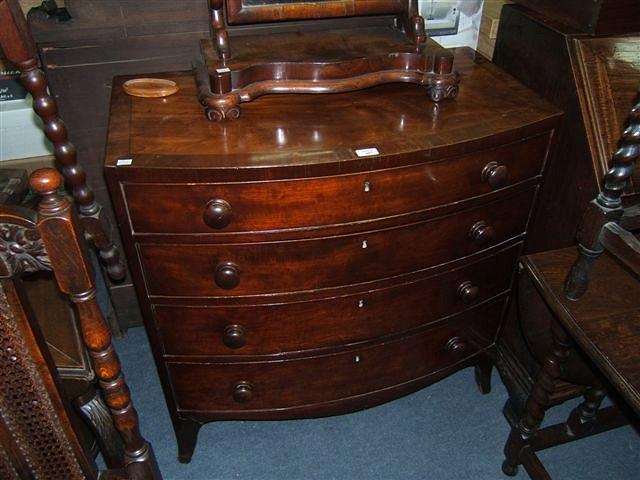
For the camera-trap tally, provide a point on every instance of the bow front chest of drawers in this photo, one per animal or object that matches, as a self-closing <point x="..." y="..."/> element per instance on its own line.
<point x="328" y="255"/>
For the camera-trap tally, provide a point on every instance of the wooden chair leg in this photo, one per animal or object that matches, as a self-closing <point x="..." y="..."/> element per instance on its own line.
<point x="517" y="447"/>
<point x="58" y="228"/>
<point x="583" y="417"/>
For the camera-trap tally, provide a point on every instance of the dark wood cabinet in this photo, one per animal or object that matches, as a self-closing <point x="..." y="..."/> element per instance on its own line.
<point x="283" y="273"/>
<point x="594" y="80"/>
<point x="595" y="17"/>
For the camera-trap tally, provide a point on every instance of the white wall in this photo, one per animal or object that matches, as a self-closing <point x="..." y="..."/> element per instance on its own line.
<point x="20" y="131"/>
<point x="468" y="28"/>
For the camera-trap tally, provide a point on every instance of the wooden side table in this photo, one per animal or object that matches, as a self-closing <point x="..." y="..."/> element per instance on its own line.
<point x="604" y="325"/>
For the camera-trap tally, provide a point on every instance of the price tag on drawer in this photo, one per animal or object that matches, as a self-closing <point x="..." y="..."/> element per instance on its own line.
<point x="367" y="152"/>
<point x="123" y="162"/>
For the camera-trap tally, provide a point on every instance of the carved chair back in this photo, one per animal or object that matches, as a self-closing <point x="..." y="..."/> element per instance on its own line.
<point x="38" y="440"/>
<point x="608" y="222"/>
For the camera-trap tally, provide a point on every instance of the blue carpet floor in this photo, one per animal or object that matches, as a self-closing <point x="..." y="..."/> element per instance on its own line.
<point x="446" y="431"/>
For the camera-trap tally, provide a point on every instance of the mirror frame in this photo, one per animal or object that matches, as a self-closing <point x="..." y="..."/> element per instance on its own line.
<point x="238" y="13"/>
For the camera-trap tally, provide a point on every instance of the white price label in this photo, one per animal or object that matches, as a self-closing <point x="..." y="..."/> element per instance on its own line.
<point x="367" y="152"/>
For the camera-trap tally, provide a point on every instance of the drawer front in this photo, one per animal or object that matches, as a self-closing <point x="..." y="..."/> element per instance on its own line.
<point x="288" y="327"/>
<point x="307" y="265"/>
<point x="276" y="205"/>
<point x="297" y="382"/>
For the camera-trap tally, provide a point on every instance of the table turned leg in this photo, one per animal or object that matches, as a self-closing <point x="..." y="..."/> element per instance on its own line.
<point x="187" y="436"/>
<point x="584" y="416"/>
<point x="538" y="401"/>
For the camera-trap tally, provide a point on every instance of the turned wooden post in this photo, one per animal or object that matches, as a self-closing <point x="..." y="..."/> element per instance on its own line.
<point x="67" y="254"/>
<point x="538" y="401"/>
<point x="17" y="44"/>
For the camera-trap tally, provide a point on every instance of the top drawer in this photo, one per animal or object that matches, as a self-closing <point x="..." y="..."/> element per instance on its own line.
<point x="314" y="202"/>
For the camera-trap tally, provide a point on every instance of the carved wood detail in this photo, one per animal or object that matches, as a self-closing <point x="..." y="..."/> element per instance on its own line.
<point x="21" y="250"/>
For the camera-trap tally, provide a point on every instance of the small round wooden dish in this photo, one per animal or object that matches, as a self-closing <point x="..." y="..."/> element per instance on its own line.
<point x="150" y="87"/>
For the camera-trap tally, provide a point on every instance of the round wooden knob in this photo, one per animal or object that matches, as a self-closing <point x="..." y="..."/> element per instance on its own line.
<point x="456" y="346"/>
<point x="468" y="292"/>
<point x="481" y="233"/>
<point x="45" y="180"/>
<point x="234" y="336"/>
<point x="227" y="276"/>
<point x="217" y="213"/>
<point x="495" y="174"/>
<point x="243" y="392"/>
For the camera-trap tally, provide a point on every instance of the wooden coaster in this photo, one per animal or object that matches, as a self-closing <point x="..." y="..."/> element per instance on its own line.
<point x="150" y="87"/>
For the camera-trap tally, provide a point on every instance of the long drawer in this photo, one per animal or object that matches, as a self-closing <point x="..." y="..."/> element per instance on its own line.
<point x="307" y="265"/>
<point x="286" y="327"/>
<point x="282" y="384"/>
<point x="284" y="204"/>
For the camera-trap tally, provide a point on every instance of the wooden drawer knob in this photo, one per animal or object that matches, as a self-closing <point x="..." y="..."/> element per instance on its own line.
<point x="234" y="336"/>
<point x="217" y="213"/>
<point x="495" y="174"/>
<point x="456" y="346"/>
<point x="227" y="276"/>
<point x="468" y="292"/>
<point x="481" y="233"/>
<point x="243" y="392"/>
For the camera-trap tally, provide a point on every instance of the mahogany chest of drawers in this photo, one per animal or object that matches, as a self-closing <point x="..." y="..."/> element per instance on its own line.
<point x="284" y="273"/>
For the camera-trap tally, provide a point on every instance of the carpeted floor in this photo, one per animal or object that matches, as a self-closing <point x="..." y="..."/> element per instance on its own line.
<point x="446" y="431"/>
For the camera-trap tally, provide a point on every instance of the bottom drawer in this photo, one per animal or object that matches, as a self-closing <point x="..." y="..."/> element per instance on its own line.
<point x="294" y="383"/>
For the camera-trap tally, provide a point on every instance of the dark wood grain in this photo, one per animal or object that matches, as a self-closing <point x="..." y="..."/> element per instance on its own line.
<point x="276" y="328"/>
<point x="350" y="373"/>
<point x="607" y="78"/>
<point x="260" y="206"/>
<point x="280" y="267"/>
<point x="279" y="139"/>
<point x="598" y="17"/>
<point x="239" y="12"/>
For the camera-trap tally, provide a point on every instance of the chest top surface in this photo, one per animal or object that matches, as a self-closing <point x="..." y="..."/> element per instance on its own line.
<point x="320" y="134"/>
